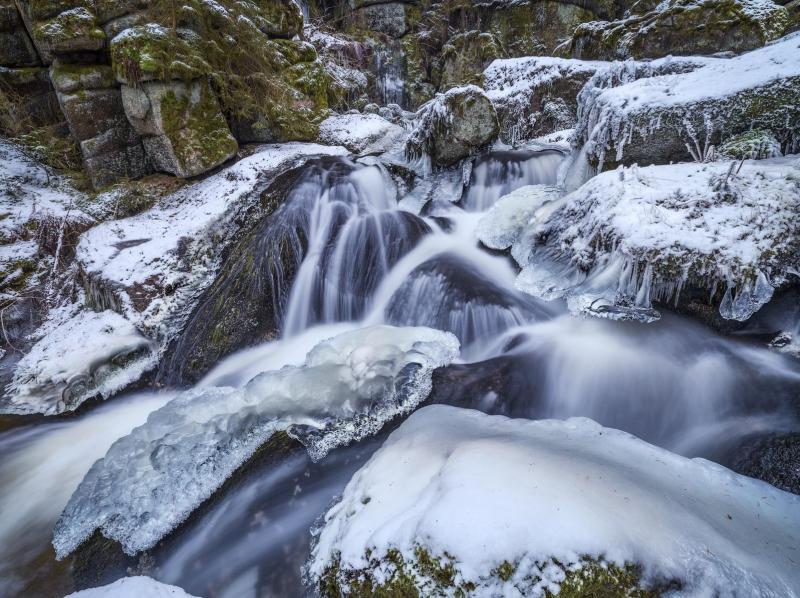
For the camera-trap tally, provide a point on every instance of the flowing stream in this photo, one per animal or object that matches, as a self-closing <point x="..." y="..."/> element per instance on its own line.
<point x="355" y="255"/>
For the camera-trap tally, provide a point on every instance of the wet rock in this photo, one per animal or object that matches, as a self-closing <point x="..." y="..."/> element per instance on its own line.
<point x="182" y="128"/>
<point x="774" y="459"/>
<point x="453" y="126"/>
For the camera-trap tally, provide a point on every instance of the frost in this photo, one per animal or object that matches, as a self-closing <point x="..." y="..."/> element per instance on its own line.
<point x="488" y="490"/>
<point x="360" y="133"/>
<point x="133" y="587"/>
<point x="501" y="226"/>
<point x="636" y="235"/>
<point x="349" y="386"/>
<point x="90" y="354"/>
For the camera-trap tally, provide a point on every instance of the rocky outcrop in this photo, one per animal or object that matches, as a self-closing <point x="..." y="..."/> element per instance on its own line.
<point x="683" y="27"/>
<point x="453" y="125"/>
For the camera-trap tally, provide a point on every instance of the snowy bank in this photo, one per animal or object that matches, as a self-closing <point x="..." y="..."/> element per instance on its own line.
<point x="458" y="501"/>
<point x="670" y="117"/>
<point x="133" y="587"/>
<point x="348" y="388"/>
<point x="723" y="232"/>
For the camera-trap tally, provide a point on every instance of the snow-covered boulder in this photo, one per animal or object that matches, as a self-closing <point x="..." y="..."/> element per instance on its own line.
<point x="683" y="27"/>
<point x="680" y="116"/>
<point x="348" y="388"/>
<point x="536" y="95"/>
<point x="460" y="503"/>
<point x="87" y="355"/>
<point x="721" y="233"/>
<point x="151" y="267"/>
<point x="453" y="125"/>
<point x="133" y="587"/>
<point x="502" y="225"/>
<point x="360" y="133"/>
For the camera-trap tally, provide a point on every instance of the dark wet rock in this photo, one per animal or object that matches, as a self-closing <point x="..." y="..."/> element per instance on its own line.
<point x="774" y="459"/>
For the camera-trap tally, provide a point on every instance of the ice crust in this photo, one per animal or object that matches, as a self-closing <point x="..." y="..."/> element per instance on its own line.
<point x="133" y="587"/>
<point x="489" y="490"/>
<point x="348" y="387"/>
<point x="502" y="225"/>
<point x="636" y="235"/>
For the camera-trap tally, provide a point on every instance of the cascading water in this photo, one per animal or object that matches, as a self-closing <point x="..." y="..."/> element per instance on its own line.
<point x="342" y="253"/>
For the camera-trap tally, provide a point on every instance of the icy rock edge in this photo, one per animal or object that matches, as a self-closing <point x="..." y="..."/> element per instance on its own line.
<point x="348" y="387"/>
<point x="459" y="500"/>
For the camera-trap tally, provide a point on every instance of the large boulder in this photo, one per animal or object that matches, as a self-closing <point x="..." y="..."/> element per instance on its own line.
<point x="453" y="125"/>
<point x="464" y="57"/>
<point x="182" y="127"/>
<point x="683" y="115"/>
<point x="683" y="27"/>
<point x="537" y="95"/>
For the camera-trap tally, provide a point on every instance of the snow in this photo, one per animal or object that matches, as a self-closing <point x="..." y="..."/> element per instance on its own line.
<point x="347" y="388"/>
<point x="133" y="587"/>
<point x="635" y="235"/>
<point x="487" y="490"/>
<point x="150" y="251"/>
<point x="501" y="226"/>
<point x="360" y="133"/>
<point x="76" y="360"/>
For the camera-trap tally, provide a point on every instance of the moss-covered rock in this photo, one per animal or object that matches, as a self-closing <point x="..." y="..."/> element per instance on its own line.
<point x="683" y="27"/>
<point x="74" y="30"/>
<point x="453" y="125"/>
<point x="183" y="130"/>
<point x="465" y="56"/>
<point x="752" y="145"/>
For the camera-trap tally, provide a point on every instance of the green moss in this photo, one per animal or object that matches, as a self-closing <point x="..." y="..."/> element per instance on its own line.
<point x="69" y="26"/>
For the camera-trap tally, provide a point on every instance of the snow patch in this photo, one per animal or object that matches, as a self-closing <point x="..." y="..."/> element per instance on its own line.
<point x="360" y="133"/>
<point x="133" y="587"/>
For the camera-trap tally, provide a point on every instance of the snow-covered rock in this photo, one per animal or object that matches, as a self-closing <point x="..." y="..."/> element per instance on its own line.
<point x="536" y="95"/>
<point x="680" y="116"/>
<point x="89" y="354"/>
<point x="348" y="387"/>
<point x="458" y="500"/>
<point x="683" y="27"/>
<point x="725" y="231"/>
<point x="502" y="225"/>
<point x="151" y="266"/>
<point x="133" y="587"/>
<point x="453" y="125"/>
<point x="360" y="133"/>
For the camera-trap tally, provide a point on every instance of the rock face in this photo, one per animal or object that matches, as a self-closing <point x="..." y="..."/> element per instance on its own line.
<point x="683" y="27"/>
<point x="684" y="115"/>
<point x="535" y="96"/>
<point x="182" y="128"/>
<point x="452" y="126"/>
<point x="774" y="459"/>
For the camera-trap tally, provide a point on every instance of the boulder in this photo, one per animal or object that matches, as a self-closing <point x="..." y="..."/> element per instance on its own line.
<point x="389" y="18"/>
<point x="683" y="27"/>
<point x="774" y="459"/>
<point x="453" y="125"/>
<point x="72" y="31"/>
<point x="684" y="115"/>
<point x="31" y="99"/>
<point x="465" y="56"/>
<point x="183" y="130"/>
<point x="536" y="96"/>
<point x="16" y="47"/>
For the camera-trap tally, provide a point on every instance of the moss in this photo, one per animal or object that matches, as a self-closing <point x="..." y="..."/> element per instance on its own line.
<point x="69" y="26"/>
<point x="757" y="144"/>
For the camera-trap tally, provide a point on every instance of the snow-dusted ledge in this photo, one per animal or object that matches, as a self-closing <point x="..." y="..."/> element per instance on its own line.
<point x="456" y="499"/>
<point x="361" y="133"/>
<point x="726" y="231"/>
<point x="133" y="587"/>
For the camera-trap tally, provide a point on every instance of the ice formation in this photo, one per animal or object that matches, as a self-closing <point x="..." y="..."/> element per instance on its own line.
<point x="501" y="226"/>
<point x="348" y="387"/>
<point x="89" y="354"/>
<point x="511" y="496"/>
<point x="133" y="587"/>
<point x="637" y="235"/>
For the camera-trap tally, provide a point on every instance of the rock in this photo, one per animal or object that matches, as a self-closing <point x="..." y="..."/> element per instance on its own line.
<point x="536" y="96"/>
<point x="465" y="56"/>
<point x="68" y="78"/>
<point x="371" y="108"/>
<point x="31" y="98"/>
<point x="683" y="27"/>
<point x="684" y="115"/>
<point x="16" y="47"/>
<point x="774" y="459"/>
<point x="360" y="133"/>
<point x="388" y="18"/>
<point x="182" y="127"/>
<point x="453" y="125"/>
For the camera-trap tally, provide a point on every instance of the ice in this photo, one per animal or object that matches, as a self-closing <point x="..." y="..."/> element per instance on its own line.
<point x="502" y="224"/>
<point x="348" y="387"/>
<point x="133" y="587"/>
<point x="633" y="236"/>
<point x="487" y="490"/>
<point x="81" y="357"/>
